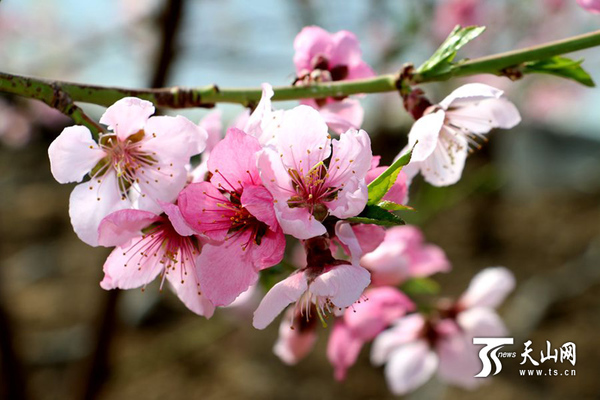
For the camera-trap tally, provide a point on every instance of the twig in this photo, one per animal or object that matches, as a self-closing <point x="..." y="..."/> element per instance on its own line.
<point x="208" y="96"/>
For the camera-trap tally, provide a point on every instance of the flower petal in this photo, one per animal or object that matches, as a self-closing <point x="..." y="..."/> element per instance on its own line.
<point x="293" y="344"/>
<point x="119" y="227"/>
<point x="406" y="330"/>
<point x="423" y="137"/>
<point x="470" y="93"/>
<point x="278" y="298"/>
<point x="488" y="288"/>
<point x="199" y="206"/>
<point x="310" y="42"/>
<point x="233" y="161"/>
<point x="270" y="251"/>
<point x="173" y="139"/>
<point x="213" y="126"/>
<point x="343" y="349"/>
<point x="459" y="361"/>
<point x="190" y="293"/>
<point x="343" y="284"/>
<point x="176" y="219"/>
<point x="345" y="234"/>
<point x="482" y="116"/>
<point x="410" y="366"/>
<point x="128" y="268"/>
<point x="225" y="271"/>
<point x="259" y="202"/>
<point x="264" y="121"/>
<point x="445" y="165"/>
<point x="127" y="116"/>
<point x="73" y="154"/>
<point x="351" y="158"/>
<point x="481" y="322"/>
<point x="369" y="236"/>
<point x="343" y="115"/>
<point x="90" y="202"/>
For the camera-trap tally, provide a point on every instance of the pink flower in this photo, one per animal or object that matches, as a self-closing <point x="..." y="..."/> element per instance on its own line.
<point x="403" y="255"/>
<point x="362" y="323"/>
<point x="149" y="245"/>
<point x="590" y="5"/>
<point x="336" y="285"/>
<point x="213" y="126"/>
<point x="450" y="13"/>
<point x="442" y="137"/>
<point x="140" y="162"/>
<point x="236" y="213"/>
<point x="305" y="189"/>
<point x="324" y="57"/>
<point x="297" y="336"/>
<point x="415" y="347"/>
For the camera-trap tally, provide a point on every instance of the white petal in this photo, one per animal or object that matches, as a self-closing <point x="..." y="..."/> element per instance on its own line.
<point x="87" y="207"/>
<point x="278" y="298"/>
<point x="343" y="284"/>
<point x="73" y="154"/>
<point x="405" y="330"/>
<point x="482" y="116"/>
<point x="127" y="116"/>
<point x="489" y="288"/>
<point x="424" y="135"/>
<point x="470" y="93"/>
<point x="410" y="366"/>
<point x="345" y="234"/>
<point x="445" y="165"/>
<point x="481" y="322"/>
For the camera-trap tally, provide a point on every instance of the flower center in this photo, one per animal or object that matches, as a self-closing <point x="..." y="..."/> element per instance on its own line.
<point x="312" y="191"/>
<point x="160" y="243"/>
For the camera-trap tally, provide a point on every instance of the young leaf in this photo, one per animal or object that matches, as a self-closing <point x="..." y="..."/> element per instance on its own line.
<point x="377" y="216"/>
<point x="384" y="182"/>
<point x="416" y="286"/>
<point x="560" y="66"/>
<point x="391" y="206"/>
<point x="444" y="55"/>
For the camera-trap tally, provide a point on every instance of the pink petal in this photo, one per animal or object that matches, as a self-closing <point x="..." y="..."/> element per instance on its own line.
<point x="73" y="154"/>
<point x="303" y="140"/>
<point x="199" y="206"/>
<point x="343" y="349"/>
<point x="190" y="293"/>
<point x="459" y="362"/>
<point x="428" y="260"/>
<point x="213" y="126"/>
<point x="293" y="344"/>
<point x="225" y="271"/>
<point x="369" y="236"/>
<point x="174" y="139"/>
<point x="410" y="366"/>
<point x="360" y="70"/>
<point x="259" y="202"/>
<point x="298" y="222"/>
<point x="470" y="93"/>
<point x="389" y="263"/>
<point x="382" y="306"/>
<point x="424" y="135"/>
<point x="345" y="51"/>
<point x="592" y="6"/>
<point x="176" y="219"/>
<point x="233" y="161"/>
<point x="278" y="298"/>
<point x="127" y="116"/>
<point x="311" y="41"/>
<point x="119" y="227"/>
<point x="343" y="115"/>
<point x="406" y="330"/>
<point x="87" y="207"/>
<point x="343" y="284"/>
<point x="345" y="234"/>
<point x="128" y="268"/>
<point x="488" y="288"/>
<point x="270" y="251"/>
<point x="351" y="158"/>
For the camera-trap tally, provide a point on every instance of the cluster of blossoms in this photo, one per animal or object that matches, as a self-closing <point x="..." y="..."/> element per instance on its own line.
<point x="209" y="229"/>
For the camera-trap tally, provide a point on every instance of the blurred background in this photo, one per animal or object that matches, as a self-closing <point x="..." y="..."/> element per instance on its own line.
<point x="530" y="200"/>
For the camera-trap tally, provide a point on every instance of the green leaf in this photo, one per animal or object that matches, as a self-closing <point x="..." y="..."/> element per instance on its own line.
<point x="377" y="216"/>
<point x="443" y="56"/>
<point x="417" y="286"/>
<point x="391" y="206"/>
<point x="560" y="66"/>
<point x="384" y="182"/>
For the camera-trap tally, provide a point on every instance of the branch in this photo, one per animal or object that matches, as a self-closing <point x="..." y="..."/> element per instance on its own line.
<point x="207" y="96"/>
